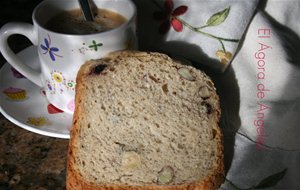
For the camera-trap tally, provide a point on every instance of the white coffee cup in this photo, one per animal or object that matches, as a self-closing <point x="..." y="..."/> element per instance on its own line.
<point x="61" y="55"/>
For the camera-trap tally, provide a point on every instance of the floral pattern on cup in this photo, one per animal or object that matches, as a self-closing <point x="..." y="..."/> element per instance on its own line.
<point x="71" y="85"/>
<point x="61" y="51"/>
<point x="43" y="92"/>
<point x="50" y="87"/>
<point x="58" y="81"/>
<point x="94" y="45"/>
<point x="53" y="110"/>
<point x="71" y="105"/>
<point x="59" y="84"/>
<point x="52" y="51"/>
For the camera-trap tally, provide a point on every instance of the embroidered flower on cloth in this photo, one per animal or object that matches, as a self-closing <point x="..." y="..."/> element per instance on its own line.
<point x="48" y="49"/>
<point x="169" y="17"/>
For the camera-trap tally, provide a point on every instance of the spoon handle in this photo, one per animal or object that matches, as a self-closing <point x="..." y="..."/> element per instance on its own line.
<point x="86" y="9"/>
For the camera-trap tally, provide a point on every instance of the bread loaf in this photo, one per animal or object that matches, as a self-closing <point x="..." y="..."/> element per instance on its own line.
<point x="144" y="121"/>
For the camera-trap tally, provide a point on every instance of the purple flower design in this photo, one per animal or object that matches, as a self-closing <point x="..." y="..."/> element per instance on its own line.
<point x="48" y="49"/>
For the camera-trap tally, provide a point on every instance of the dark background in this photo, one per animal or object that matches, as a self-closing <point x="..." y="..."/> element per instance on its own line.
<point x="16" y="11"/>
<point x="28" y="161"/>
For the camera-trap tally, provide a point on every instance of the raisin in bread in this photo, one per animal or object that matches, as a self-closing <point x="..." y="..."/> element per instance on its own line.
<point x="144" y="121"/>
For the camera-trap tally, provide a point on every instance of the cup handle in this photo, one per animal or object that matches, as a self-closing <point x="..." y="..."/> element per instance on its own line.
<point x="28" y="31"/>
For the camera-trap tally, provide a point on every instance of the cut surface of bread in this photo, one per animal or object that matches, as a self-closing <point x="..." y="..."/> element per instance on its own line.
<point x="144" y="121"/>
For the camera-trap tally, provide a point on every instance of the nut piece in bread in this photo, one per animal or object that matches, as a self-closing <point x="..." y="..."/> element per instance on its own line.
<point x="144" y="121"/>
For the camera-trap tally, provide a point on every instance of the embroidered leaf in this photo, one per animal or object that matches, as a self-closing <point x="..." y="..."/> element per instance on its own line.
<point x="271" y="181"/>
<point x="218" y="17"/>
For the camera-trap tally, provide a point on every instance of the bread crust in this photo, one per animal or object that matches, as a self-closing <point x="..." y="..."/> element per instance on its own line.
<point x="76" y="182"/>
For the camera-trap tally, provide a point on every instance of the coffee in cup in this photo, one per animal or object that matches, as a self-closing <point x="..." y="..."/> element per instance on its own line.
<point x="61" y="52"/>
<point x="73" y="22"/>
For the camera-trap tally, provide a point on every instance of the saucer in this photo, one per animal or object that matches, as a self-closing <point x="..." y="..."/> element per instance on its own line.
<point x="24" y="103"/>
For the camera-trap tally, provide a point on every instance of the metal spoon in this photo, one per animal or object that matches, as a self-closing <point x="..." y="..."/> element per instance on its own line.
<point x="86" y="9"/>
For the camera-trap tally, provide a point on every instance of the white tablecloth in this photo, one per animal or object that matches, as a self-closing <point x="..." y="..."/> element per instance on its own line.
<point x="259" y="91"/>
<point x="269" y="59"/>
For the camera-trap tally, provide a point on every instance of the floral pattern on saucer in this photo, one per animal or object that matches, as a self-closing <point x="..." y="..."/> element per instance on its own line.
<point x="38" y="121"/>
<point x="25" y="104"/>
<point x="15" y="94"/>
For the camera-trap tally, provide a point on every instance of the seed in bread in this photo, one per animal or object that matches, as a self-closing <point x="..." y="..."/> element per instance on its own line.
<point x="144" y="121"/>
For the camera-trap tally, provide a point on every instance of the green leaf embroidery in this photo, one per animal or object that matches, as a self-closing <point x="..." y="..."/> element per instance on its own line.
<point x="218" y="17"/>
<point x="271" y="181"/>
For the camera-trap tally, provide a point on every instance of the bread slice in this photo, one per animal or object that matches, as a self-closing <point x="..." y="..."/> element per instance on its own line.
<point x="144" y="121"/>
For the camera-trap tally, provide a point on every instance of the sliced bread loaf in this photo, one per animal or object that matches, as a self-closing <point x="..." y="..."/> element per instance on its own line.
<point x="144" y="121"/>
